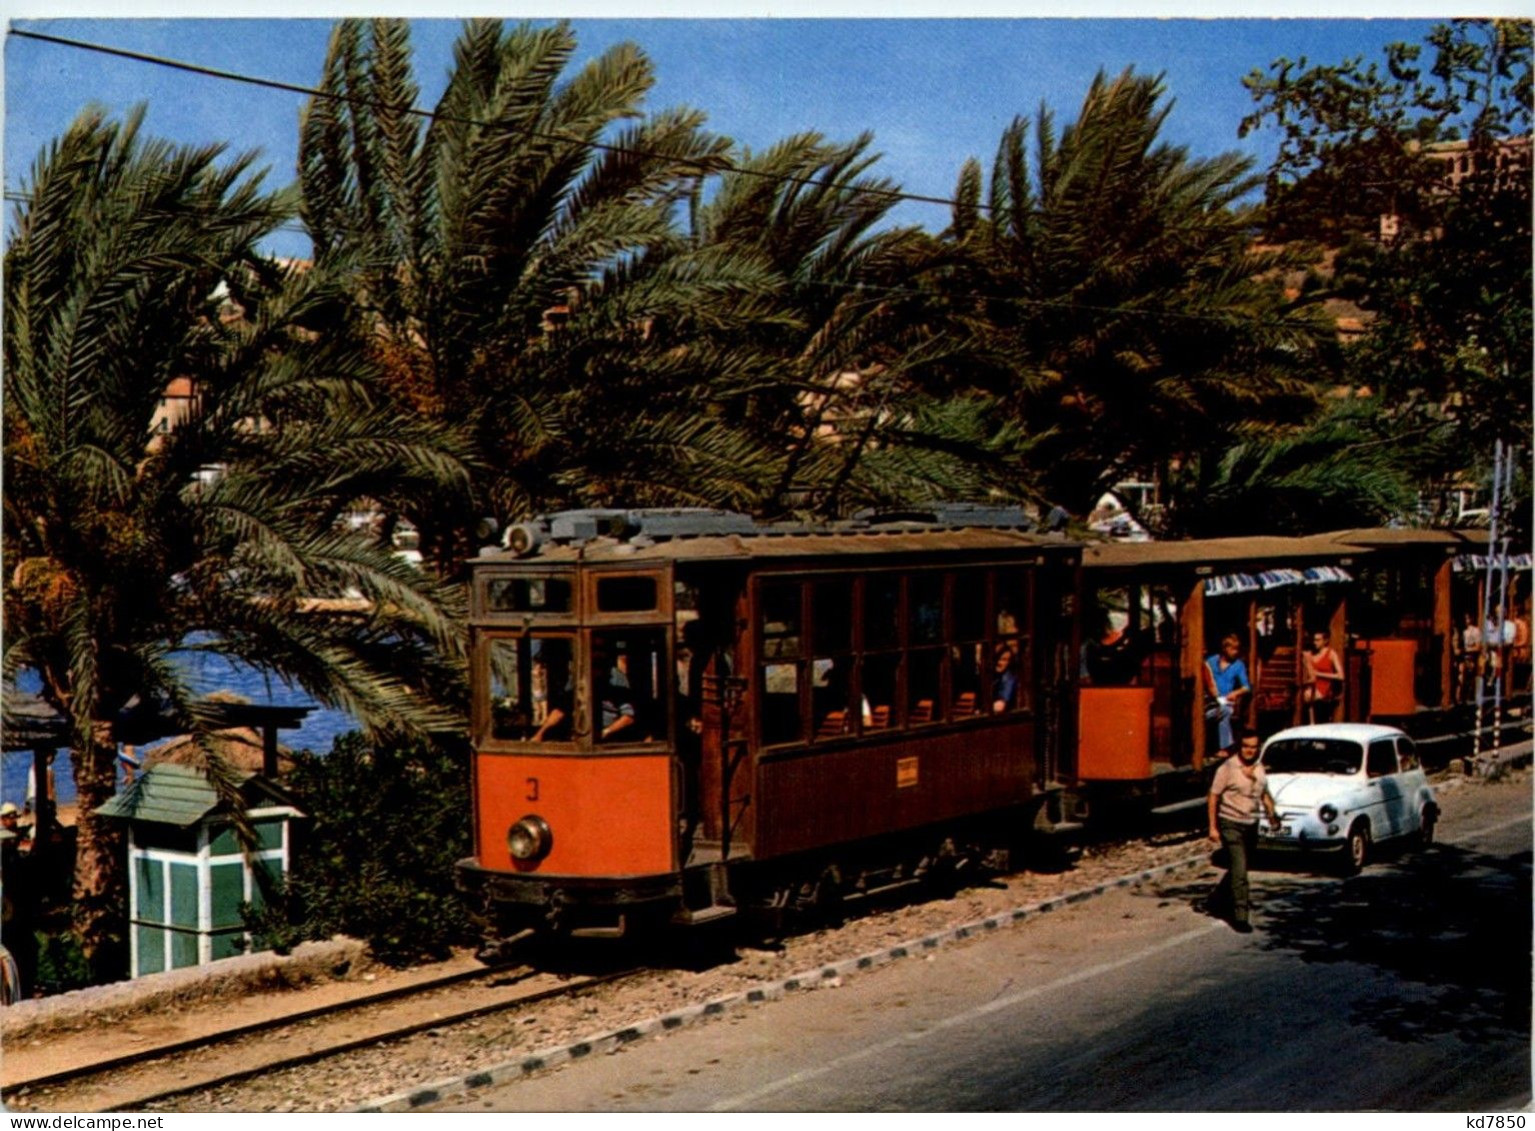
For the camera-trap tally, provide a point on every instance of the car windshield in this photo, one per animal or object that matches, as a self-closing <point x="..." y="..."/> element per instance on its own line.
<point x="1312" y="756"/>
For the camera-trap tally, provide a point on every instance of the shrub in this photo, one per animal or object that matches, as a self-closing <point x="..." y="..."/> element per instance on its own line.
<point x="387" y="822"/>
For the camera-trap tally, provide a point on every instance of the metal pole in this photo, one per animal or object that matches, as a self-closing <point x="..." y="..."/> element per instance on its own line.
<point x="1481" y="627"/>
<point x="1503" y="611"/>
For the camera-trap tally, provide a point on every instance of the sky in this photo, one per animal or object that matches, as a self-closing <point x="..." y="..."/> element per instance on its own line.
<point x="933" y="91"/>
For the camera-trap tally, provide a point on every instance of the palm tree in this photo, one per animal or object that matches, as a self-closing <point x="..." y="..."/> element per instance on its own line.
<point x="850" y="391"/>
<point x="525" y="268"/>
<point x="135" y="264"/>
<point x="1354" y="465"/>
<point x="1121" y="278"/>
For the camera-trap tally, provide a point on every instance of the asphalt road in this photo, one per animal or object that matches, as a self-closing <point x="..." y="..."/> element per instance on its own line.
<point x="1406" y="988"/>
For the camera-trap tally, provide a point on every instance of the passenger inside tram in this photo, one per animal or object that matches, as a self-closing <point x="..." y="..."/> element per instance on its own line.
<point x="1112" y="658"/>
<point x="1004" y="680"/>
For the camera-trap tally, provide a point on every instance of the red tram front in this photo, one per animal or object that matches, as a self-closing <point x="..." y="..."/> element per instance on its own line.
<point x="682" y="715"/>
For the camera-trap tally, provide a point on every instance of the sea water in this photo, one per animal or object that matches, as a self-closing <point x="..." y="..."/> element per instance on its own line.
<point x="207" y="672"/>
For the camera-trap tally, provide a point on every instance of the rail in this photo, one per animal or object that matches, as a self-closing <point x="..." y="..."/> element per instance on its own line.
<point x="101" y="1085"/>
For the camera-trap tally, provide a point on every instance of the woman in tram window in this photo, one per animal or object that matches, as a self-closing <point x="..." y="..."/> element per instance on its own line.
<point x="1323" y="686"/>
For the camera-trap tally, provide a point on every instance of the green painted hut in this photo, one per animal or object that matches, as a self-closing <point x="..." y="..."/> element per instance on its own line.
<point x="187" y="875"/>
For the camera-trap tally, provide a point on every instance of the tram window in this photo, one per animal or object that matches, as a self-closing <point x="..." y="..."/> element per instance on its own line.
<point x="528" y="595"/>
<point x="882" y="611"/>
<point x="969" y="605"/>
<point x="531" y="688"/>
<point x="781" y="720"/>
<point x="881" y="674"/>
<point x="965" y="678"/>
<point x="1006" y="676"/>
<point x="831" y="690"/>
<point x="626" y="594"/>
<point x="1012" y="601"/>
<point x="832" y="616"/>
<point x="629" y="686"/>
<point x="831" y="670"/>
<point x="781" y="620"/>
<point x="927" y="608"/>
<point x="924" y="686"/>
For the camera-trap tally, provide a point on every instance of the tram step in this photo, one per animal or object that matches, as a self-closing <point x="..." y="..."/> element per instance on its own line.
<point x="1060" y="828"/>
<point x="697" y="916"/>
<point x="1176" y="807"/>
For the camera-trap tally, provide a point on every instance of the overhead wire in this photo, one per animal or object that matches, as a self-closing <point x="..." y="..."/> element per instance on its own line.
<point x="704" y="167"/>
<point x="708" y="167"/>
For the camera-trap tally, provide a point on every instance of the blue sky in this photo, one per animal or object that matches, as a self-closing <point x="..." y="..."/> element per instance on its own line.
<point x="933" y="91"/>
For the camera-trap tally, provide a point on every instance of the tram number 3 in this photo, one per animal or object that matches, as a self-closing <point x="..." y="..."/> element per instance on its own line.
<point x="532" y="794"/>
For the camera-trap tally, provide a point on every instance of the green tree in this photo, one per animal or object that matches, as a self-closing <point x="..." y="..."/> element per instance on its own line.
<point x="1133" y="319"/>
<point x="135" y="264"/>
<point x="524" y="262"/>
<point x="1415" y="171"/>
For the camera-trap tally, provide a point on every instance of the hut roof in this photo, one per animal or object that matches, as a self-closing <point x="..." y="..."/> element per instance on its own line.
<point x="180" y="795"/>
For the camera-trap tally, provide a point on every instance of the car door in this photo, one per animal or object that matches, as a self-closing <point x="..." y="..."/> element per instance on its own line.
<point x="1384" y="785"/>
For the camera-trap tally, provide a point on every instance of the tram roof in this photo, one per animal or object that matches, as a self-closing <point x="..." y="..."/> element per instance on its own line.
<point x="1271" y="550"/>
<point x="792" y="545"/>
<point x="1391" y="537"/>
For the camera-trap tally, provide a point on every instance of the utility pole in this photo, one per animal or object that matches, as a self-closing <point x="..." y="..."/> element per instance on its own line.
<point x="1501" y="550"/>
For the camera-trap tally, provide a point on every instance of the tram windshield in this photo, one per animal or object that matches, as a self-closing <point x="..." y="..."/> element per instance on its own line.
<point x="629" y="685"/>
<point x="1312" y="756"/>
<point x="531" y="688"/>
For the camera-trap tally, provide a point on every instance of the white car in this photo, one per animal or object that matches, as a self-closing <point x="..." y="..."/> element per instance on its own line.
<point x="1344" y="787"/>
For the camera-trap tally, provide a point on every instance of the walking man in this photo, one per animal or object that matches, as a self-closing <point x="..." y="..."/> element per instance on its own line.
<point x="1239" y="788"/>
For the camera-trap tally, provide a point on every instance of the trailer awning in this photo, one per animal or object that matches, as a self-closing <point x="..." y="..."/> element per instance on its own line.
<point x="1263" y="580"/>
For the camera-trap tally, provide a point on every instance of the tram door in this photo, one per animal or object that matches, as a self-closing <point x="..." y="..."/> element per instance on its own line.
<point x="710" y="724"/>
<point x="1056" y="616"/>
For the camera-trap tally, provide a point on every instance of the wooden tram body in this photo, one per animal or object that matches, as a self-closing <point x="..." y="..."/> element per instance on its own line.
<point x="812" y="714"/>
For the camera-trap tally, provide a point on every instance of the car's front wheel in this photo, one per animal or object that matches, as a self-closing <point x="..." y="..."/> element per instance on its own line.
<point x="1356" y="853"/>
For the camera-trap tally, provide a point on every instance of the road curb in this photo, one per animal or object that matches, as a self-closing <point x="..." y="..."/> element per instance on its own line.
<point x="829" y="974"/>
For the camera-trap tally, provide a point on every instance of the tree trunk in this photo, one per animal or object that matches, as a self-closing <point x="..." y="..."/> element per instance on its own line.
<point x="99" y="896"/>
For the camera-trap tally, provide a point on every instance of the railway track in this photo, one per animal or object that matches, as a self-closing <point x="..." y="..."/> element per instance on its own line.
<point x="134" y="1081"/>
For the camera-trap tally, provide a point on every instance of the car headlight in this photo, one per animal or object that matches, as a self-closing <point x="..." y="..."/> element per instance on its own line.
<point x="529" y="838"/>
<point x="1328" y="813"/>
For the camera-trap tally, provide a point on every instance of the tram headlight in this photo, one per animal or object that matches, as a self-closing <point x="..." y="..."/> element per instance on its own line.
<point x="529" y="838"/>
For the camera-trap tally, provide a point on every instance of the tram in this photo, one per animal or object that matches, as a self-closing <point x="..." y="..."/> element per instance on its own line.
<point x="682" y="715"/>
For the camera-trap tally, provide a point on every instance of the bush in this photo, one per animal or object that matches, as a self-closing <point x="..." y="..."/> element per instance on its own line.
<point x="387" y="822"/>
<point x="61" y="964"/>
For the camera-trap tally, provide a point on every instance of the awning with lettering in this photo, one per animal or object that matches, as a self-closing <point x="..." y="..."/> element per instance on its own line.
<point x="1467" y="563"/>
<point x="1263" y="580"/>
